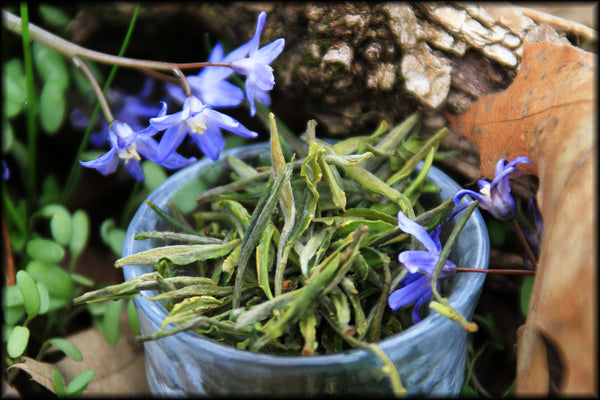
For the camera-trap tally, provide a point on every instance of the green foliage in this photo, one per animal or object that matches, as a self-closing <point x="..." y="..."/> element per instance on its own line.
<point x="67" y="347"/>
<point x="14" y="88"/>
<point x="54" y="16"/>
<point x="112" y="236"/>
<point x="132" y="317"/>
<point x="45" y="250"/>
<point x="29" y="293"/>
<point x="53" y="108"/>
<point x="59" y="386"/>
<point x="79" y="383"/>
<point x="17" y="341"/>
<point x="154" y="173"/>
<point x="112" y="321"/>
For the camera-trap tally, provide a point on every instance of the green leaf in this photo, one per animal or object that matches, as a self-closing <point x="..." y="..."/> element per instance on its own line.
<point x="54" y="16"/>
<point x="132" y="317"/>
<point x="44" y="250"/>
<point x="8" y="136"/>
<point x="14" y="92"/>
<point x="79" y="383"/>
<point x="185" y="198"/>
<point x="112" y="236"/>
<point x="17" y="341"/>
<point x="179" y="254"/>
<point x="51" y="66"/>
<point x="53" y="107"/>
<point x="44" y="297"/>
<point x="60" y="222"/>
<point x="67" y="347"/>
<point x="29" y="292"/>
<point x="13" y="315"/>
<point x="111" y="321"/>
<point x="11" y="297"/>
<point x="57" y="280"/>
<point x="190" y="308"/>
<point x="80" y="232"/>
<point x="59" y="386"/>
<point x="154" y="173"/>
<point x="51" y="190"/>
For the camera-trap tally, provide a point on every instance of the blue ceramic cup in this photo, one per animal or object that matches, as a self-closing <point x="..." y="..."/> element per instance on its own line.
<point x="430" y="356"/>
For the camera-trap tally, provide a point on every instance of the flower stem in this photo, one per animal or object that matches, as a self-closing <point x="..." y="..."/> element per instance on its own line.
<point x="523" y="241"/>
<point x="69" y="49"/>
<point x="99" y="94"/>
<point x="497" y="271"/>
<point x="75" y="167"/>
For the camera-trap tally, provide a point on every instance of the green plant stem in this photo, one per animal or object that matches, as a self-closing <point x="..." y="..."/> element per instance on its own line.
<point x="31" y="108"/>
<point x="445" y="253"/>
<point x="523" y="241"/>
<point x="441" y="304"/>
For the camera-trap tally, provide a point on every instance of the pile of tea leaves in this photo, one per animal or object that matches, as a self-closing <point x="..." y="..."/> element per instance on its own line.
<point x="297" y="256"/>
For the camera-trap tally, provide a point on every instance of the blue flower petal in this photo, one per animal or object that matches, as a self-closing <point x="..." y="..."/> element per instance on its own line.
<point x="418" y="260"/>
<point x="411" y="227"/>
<point x="410" y="293"/>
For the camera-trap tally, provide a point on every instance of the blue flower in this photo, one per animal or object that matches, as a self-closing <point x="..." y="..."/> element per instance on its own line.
<point x="495" y="197"/>
<point x="5" y="171"/>
<point x="128" y="108"/>
<point x="202" y="124"/>
<point x="256" y="68"/>
<point x="210" y="85"/>
<point x="126" y="147"/>
<point x="416" y="286"/>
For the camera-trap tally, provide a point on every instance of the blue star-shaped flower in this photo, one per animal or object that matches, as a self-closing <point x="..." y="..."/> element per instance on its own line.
<point x="127" y="146"/>
<point x="202" y="123"/>
<point x="495" y="197"/>
<point x="416" y="286"/>
<point x="256" y="68"/>
<point x="210" y="84"/>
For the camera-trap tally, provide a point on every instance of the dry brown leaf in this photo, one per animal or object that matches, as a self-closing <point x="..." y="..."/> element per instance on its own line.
<point x="548" y="115"/>
<point x="119" y="368"/>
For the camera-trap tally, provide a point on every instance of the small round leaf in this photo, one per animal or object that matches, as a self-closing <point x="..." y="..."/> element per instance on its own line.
<point x="45" y="250"/>
<point x="29" y="292"/>
<point x="112" y="321"/>
<point x="154" y="173"/>
<point x="52" y="107"/>
<point x="67" y="347"/>
<point x="54" y="16"/>
<point x="80" y="382"/>
<point x="14" y="88"/>
<point x="80" y="232"/>
<point x="57" y="280"/>
<point x="44" y="297"/>
<point x="17" y="341"/>
<point x="51" y="66"/>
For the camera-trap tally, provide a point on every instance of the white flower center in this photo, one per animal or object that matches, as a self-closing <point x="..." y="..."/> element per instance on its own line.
<point x="197" y="123"/>
<point x="486" y="191"/>
<point x="129" y="154"/>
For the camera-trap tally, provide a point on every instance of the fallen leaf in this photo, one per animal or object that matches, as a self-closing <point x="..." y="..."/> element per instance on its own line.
<point x="548" y="115"/>
<point x="119" y="369"/>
